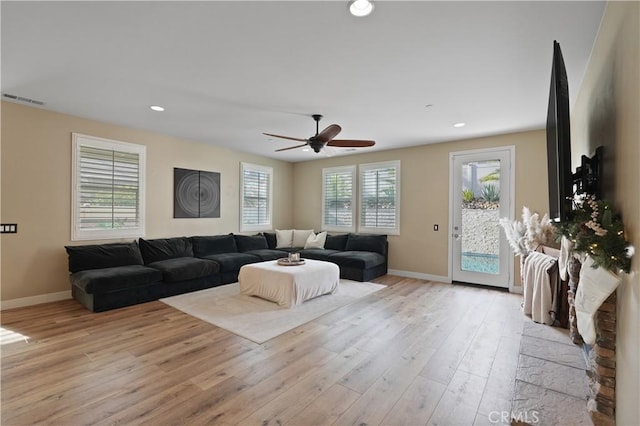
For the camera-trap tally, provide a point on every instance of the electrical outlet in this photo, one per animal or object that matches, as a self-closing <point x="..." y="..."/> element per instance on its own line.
<point x="435" y="227"/>
<point x="9" y="228"/>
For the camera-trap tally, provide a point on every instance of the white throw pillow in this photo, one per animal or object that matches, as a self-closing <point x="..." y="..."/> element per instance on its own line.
<point x="284" y="238"/>
<point x="316" y="240"/>
<point x="300" y="237"/>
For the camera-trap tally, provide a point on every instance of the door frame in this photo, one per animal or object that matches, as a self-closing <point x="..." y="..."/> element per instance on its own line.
<point x="511" y="149"/>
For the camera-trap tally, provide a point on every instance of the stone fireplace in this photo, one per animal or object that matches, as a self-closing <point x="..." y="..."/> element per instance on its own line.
<point x="601" y="357"/>
<point x="602" y="366"/>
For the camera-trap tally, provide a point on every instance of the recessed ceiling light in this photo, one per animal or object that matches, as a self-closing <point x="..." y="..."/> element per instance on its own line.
<point x="360" y="8"/>
<point x="157" y="108"/>
<point x="459" y="124"/>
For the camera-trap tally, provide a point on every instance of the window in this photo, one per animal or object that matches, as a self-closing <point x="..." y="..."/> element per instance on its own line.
<point x="107" y="189"/>
<point x="338" y="199"/>
<point x="256" y="184"/>
<point x="380" y="198"/>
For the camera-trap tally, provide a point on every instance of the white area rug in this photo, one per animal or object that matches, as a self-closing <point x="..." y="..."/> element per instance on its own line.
<point x="260" y="320"/>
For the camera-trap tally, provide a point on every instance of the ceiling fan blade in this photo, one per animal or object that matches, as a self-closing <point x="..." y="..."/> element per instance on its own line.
<point x="328" y="133"/>
<point x="351" y="143"/>
<point x="285" y="137"/>
<point x="291" y="147"/>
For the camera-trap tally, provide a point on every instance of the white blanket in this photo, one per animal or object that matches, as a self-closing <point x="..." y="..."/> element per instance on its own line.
<point x="594" y="288"/>
<point x="539" y="291"/>
<point x="289" y="285"/>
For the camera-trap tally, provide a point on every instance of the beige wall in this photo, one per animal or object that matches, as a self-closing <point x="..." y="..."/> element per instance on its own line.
<point x="36" y="192"/>
<point x="425" y="194"/>
<point x="36" y="181"/>
<point x="607" y="112"/>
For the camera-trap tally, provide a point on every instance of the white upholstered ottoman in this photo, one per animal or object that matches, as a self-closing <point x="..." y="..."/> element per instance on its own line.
<point x="289" y="285"/>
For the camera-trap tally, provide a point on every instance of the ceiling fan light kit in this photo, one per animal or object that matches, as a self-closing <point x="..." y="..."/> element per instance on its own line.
<point x="361" y="8"/>
<point x="324" y="138"/>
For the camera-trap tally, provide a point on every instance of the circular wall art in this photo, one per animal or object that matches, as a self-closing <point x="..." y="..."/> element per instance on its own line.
<point x="196" y="193"/>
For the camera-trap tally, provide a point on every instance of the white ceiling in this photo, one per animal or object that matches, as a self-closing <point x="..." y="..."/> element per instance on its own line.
<point x="228" y="71"/>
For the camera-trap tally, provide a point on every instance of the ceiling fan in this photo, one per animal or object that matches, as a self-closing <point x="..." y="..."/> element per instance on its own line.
<point x="324" y="138"/>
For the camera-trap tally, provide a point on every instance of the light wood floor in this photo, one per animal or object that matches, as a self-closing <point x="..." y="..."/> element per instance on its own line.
<point x="416" y="352"/>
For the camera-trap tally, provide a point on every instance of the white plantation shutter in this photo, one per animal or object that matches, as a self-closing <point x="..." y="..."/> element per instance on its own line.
<point x="256" y="183"/>
<point x="108" y="190"/>
<point x="338" y="199"/>
<point x="380" y="198"/>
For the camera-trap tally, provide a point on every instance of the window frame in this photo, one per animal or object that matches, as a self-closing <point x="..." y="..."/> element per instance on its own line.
<point x="332" y="170"/>
<point x="81" y="140"/>
<point x="266" y="226"/>
<point x="362" y="169"/>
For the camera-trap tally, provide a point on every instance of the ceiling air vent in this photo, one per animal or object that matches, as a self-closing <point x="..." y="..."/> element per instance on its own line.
<point x="22" y="99"/>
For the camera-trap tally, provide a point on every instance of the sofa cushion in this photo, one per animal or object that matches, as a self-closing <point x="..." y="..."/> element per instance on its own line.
<point x="232" y="262"/>
<point x="300" y="237"/>
<point x="271" y="239"/>
<point x="254" y="242"/>
<point x="268" y="254"/>
<point x="105" y="280"/>
<point x="98" y="256"/>
<point x="165" y="248"/>
<point x="185" y="268"/>
<point x="357" y="259"/>
<point x="374" y="243"/>
<point x="336" y="242"/>
<point x="284" y="238"/>
<point x="317" y="254"/>
<point x="316" y="240"/>
<point x="215" y="244"/>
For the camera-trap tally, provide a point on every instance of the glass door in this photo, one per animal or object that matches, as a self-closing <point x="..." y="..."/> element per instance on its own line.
<point x="481" y="187"/>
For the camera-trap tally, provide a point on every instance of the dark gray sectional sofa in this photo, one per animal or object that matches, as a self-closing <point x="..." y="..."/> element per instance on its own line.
<point x="109" y="276"/>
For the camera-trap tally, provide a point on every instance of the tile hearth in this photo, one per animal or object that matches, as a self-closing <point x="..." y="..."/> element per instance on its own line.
<point x="551" y="381"/>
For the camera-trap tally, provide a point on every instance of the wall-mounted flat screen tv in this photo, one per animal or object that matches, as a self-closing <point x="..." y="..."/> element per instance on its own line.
<point x="559" y="141"/>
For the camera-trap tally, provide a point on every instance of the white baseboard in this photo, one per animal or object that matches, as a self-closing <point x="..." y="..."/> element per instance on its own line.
<point x="516" y="289"/>
<point x="437" y="278"/>
<point x="34" y="300"/>
<point x="419" y="276"/>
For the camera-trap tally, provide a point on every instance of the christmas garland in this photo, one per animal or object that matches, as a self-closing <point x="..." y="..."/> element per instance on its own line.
<point x="597" y="230"/>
